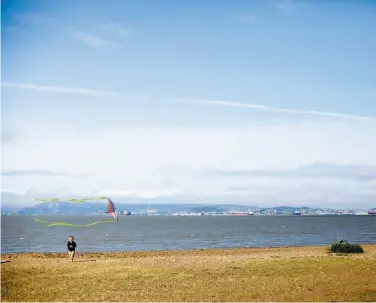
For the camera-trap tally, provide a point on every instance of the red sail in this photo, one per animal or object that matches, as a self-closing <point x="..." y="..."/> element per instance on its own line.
<point x="110" y="207"/>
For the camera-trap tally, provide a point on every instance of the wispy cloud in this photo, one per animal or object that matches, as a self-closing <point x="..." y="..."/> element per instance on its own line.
<point x="143" y="194"/>
<point x="22" y="22"/>
<point x="7" y="135"/>
<point x="116" y="30"/>
<point x="58" y="89"/>
<point x="284" y="5"/>
<point x="348" y="172"/>
<point x="247" y="18"/>
<point x="250" y="106"/>
<point x="17" y="173"/>
<point x="28" y="19"/>
<point x="106" y="35"/>
<point x="271" y="108"/>
<point x="98" y="37"/>
<point x="92" y="40"/>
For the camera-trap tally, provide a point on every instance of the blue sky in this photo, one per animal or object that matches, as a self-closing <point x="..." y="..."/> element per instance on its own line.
<point x="145" y="99"/>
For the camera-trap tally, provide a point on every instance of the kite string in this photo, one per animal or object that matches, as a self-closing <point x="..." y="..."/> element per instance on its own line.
<point x="110" y="209"/>
<point x="72" y="224"/>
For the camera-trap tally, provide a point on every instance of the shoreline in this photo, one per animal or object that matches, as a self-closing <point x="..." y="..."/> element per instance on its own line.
<point x="182" y="252"/>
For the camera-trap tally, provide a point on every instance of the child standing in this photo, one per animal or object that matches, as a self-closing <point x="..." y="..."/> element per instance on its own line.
<point x="71" y="248"/>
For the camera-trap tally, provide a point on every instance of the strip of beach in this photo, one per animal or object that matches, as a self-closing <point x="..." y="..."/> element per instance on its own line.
<point x="217" y="275"/>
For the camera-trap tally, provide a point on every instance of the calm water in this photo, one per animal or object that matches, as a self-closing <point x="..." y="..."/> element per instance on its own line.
<point x="22" y="234"/>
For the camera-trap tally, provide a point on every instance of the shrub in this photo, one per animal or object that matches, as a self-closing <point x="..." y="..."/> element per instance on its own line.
<point x="343" y="247"/>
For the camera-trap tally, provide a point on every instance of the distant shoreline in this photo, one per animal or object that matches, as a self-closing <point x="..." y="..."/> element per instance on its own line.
<point x="195" y="216"/>
<point x="176" y="252"/>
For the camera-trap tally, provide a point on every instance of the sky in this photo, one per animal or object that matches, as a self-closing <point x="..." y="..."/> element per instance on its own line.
<point x="262" y="103"/>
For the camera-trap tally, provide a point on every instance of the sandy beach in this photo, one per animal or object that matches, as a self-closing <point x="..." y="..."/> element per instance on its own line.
<point x="249" y="274"/>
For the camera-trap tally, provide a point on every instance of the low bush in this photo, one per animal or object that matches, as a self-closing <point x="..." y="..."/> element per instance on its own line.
<point x="343" y="247"/>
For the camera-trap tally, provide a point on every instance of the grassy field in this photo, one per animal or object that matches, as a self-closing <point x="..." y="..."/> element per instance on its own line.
<point x="273" y="274"/>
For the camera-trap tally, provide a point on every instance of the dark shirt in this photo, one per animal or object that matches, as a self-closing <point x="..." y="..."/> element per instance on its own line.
<point x="71" y="246"/>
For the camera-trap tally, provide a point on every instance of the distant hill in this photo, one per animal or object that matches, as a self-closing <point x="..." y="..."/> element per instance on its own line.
<point x="10" y="209"/>
<point x="63" y="208"/>
<point x="67" y="208"/>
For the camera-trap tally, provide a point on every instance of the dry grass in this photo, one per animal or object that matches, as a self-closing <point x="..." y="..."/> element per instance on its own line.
<point x="273" y="274"/>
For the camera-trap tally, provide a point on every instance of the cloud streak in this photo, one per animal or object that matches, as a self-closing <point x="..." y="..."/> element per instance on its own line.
<point x="57" y="89"/>
<point x="110" y="35"/>
<point x="271" y="108"/>
<point x="7" y="135"/>
<point x="143" y="194"/>
<point x="348" y="172"/>
<point x="93" y="41"/>
<point x="247" y="18"/>
<point x="284" y="5"/>
<point x="47" y="173"/>
<point x="117" y="30"/>
<point x="220" y="103"/>
<point x="99" y="37"/>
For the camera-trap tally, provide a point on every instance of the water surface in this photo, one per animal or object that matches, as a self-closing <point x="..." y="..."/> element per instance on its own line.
<point x="24" y="234"/>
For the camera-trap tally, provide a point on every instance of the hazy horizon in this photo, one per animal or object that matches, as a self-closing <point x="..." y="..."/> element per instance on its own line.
<point x="120" y="201"/>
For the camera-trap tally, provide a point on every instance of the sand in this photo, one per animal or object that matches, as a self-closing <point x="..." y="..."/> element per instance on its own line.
<point x="249" y="274"/>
